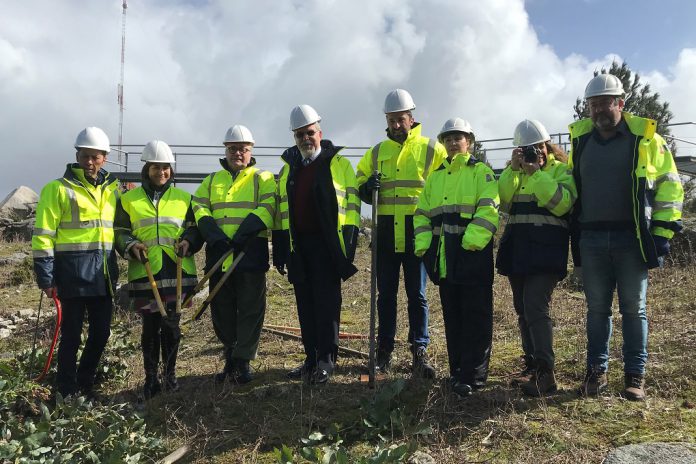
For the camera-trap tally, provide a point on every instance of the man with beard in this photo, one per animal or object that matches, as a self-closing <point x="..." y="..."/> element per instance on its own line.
<point x="315" y="235"/>
<point x="398" y="167"/>
<point x="629" y="206"/>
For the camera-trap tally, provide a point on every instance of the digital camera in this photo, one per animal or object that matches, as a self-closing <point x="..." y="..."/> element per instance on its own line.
<point x="530" y="154"/>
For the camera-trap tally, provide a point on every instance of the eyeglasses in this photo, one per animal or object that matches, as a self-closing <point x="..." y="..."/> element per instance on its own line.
<point x="87" y="156"/>
<point x="299" y="135"/>
<point x="600" y="104"/>
<point x="242" y="150"/>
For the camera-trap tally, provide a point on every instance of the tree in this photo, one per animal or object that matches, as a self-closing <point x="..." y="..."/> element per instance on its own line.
<point x="640" y="100"/>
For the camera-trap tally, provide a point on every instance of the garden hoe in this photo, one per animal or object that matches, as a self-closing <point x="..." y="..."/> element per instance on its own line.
<point x="205" y="278"/>
<point x="179" y="259"/>
<point x="197" y="315"/>
<point x="371" y="377"/>
<point x="153" y="285"/>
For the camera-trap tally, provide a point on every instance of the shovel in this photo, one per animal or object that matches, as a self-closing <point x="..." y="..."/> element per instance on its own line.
<point x="197" y="315"/>
<point x="153" y="285"/>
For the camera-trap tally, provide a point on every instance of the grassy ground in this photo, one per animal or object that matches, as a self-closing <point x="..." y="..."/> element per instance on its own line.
<point x="244" y="424"/>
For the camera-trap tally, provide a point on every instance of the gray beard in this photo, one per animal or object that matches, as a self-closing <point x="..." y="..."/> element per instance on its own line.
<point x="307" y="152"/>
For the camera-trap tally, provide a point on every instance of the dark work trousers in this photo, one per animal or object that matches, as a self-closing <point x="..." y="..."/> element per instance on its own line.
<point x="71" y="378"/>
<point x="531" y="296"/>
<point x="468" y="314"/>
<point x="160" y="334"/>
<point x="238" y="311"/>
<point x="319" y="300"/>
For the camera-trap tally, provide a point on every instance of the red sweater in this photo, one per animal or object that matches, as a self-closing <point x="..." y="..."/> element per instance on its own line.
<point x="305" y="214"/>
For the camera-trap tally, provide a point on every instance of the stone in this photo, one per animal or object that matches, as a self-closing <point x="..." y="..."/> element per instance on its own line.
<point x="19" y="203"/>
<point x="653" y="453"/>
<point x="420" y="457"/>
<point x="25" y="313"/>
<point x="14" y="258"/>
<point x="4" y="333"/>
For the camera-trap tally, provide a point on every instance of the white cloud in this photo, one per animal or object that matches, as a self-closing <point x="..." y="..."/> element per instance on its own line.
<point x="192" y="70"/>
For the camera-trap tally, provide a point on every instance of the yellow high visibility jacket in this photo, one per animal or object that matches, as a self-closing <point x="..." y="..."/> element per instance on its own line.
<point x="455" y="220"/>
<point x="72" y="242"/>
<point x="404" y="170"/>
<point x="657" y="190"/>
<point x="338" y="204"/>
<point x="223" y="202"/>
<point x="535" y="240"/>
<point x="157" y="226"/>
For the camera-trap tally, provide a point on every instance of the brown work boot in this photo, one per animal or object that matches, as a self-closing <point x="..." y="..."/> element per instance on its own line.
<point x="595" y="382"/>
<point x="543" y="381"/>
<point x="421" y="366"/>
<point x="524" y="376"/>
<point x="634" y="387"/>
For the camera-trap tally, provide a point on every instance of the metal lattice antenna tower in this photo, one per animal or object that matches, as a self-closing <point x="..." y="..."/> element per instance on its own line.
<point x="120" y="84"/>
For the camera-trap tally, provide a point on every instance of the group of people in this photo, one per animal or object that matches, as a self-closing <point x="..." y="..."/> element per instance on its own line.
<point x="616" y="200"/>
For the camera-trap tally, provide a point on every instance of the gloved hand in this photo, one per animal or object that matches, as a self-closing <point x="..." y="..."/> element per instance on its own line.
<point x="661" y="245"/>
<point x="373" y="183"/>
<point x="183" y="248"/>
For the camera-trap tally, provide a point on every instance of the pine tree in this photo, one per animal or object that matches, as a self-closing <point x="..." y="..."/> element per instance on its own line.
<point x="640" y="100"/>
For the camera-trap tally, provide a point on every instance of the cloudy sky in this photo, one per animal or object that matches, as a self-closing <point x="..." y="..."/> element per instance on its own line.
<point x="196" y="67"/>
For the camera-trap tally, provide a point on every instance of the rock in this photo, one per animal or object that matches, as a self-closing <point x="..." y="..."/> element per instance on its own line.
<point x="419" y="457"/>
<point x="19" y="203"/>
<point x="25" y="313"/>
<point x="4" y="323"/>
<point x="14" y="258"/>
<point x="653" y="453"/>
<point x="4" y="333"/>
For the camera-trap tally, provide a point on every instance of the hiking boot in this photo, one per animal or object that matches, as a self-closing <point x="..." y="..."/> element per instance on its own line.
<point x="595" y="382"/>
<point x="152" y="386"/>
<point x="299" y="372"/>
<point x="634" y="387"/>
<point x="242" y="372"/>
<point x="227" y="371"/>
<point x="543" y="381"/>
<point x="383" y="360"/>
<point x="421" y="367"/>
<point x="525" y="375"/>
<point x="462" y="389"/>
<point x="171" y="384"/>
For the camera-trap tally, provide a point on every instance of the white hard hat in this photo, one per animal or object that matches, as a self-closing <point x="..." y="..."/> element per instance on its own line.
<point x="530" y="132"/>
<point x="93" y="137"/>
<point x="398" y="100"/>
<point x="604" y="84"/>
<point x="157" y="152"/>
<point x="455" y="125"/>
<point x="303" y="115"/>
<point x="239" y="133"/>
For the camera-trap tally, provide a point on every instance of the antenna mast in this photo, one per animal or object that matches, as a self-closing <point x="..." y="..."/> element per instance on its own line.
<point x="120" y="85"/>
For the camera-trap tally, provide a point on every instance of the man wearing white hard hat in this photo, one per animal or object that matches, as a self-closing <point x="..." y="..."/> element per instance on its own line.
<point x="402" y="163"/>
<point x="154" y="223"/>
<point x="72" y="247"/>
<point x="315" y="237"/>
<point x="235" y="209"/>
<point x="629" y="206"/>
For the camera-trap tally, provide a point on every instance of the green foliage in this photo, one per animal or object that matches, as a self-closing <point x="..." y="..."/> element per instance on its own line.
<point x="382" y="418"/>
<point x="640" y="100"/>
<point x="76" y="430"/>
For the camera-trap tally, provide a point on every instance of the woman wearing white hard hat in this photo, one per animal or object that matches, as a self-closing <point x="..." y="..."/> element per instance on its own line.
<point x="537" y="191"/>
<point x="154" y="223"/>
<point x="455" y="220"/>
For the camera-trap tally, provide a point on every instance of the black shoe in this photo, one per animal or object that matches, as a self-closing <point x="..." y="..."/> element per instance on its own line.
<point x="151" y="388"/>
<point x="319" y="377"/>
<point x="242" y="373"/>
<point x="421" y="366"/>
<point x="383" y="360"/>
<point x="299" y="372"/>
<point x="171" y="384"/>
<point x="462" y="389"/>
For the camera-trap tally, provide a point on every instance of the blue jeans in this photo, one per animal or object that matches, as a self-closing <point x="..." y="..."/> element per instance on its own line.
<point x="389" y="264"/>
<point x="611" y="260"/>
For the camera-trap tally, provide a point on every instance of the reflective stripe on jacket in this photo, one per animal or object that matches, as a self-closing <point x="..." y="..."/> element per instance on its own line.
<point x="535" y="240"/>
<point x="456" y="218"/>
<point x="72" y="242"/>
<point x="657" y="192"/>
<point x="157" y="226"/>
<point x="404" y="169"/>
<point x="228" y="200"/>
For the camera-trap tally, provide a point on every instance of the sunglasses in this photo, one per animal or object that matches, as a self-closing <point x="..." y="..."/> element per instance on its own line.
<point x="299" y="135"/>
